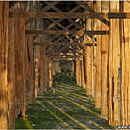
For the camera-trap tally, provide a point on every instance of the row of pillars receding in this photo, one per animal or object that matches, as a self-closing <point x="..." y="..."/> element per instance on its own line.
<point x="104" y="71"/>
<point x="25" y="71"/>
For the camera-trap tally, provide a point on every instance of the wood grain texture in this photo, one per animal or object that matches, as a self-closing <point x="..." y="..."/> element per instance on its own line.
<point x="104" y="62"/>
<point x="98" y="62"/>
<point x="4" y="16"/>
<point x="114" y="65"/>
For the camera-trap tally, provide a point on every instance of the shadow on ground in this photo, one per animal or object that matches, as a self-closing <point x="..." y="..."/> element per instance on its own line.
<point x="63" y="107"/>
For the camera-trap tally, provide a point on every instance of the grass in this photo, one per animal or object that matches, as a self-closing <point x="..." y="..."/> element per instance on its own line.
<point x="63" y="107"/>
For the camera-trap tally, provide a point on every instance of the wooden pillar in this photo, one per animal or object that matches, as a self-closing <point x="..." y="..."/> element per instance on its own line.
<point x="4" y="103"/>
<point x="36" y="62"/>
<point x="88" y="50"/>
<point x="125" y="67"/>
<point x="19" y="41"/>
<point x="57" y="66"/>
<point x="44" y="70"/>
<point x="82" y="68"/>
<point x="114" y="64"/>
<point x="104" y="62"/>
<point x="11" y="73"/>
<point x="41" y="65"/>
<point x="50" y="73"/>
<point x="98" y="61"/>
<point x="78" y="72"/>
<point x="29" y="63"/>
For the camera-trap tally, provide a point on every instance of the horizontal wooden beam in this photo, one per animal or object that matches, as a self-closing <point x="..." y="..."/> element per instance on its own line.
<point x="70" y="54"/>
<point x="66" y="32"/>
<point x="58" y="43"/>
<point x="55" y="59"/>
<point x="92" y="15"/>
<point x="90" y="44"/>
<point x="54" y="32"/>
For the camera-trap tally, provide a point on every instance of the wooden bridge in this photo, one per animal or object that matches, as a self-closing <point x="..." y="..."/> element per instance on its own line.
<point x="36" y="35"/>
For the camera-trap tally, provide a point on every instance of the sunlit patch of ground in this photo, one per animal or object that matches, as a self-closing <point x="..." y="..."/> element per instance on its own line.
<point x="63" y="107"/>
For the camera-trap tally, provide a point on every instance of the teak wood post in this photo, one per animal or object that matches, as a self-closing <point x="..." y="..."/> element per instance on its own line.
<point x="114" y="65"/>
<point x="125" y="67"/>
<point x="50" y="73"/>
<point x="98" y="61"/>
<point x="36" y="61"/>
<point x="29" y="63"/>
<point x="78" y="72"/>
<point x="11" y="73"/>
<point x="94" y="27"/>
<point x="82" y="68"/>
<point x="4" y="103"/>
<point x="19" y="41"/>
<point x="104" y="56"/>
<point x="88" y="58"/>
<point x="57" y="66"/>
<point x="44" y="70"/>
<point x="41" y="65"/>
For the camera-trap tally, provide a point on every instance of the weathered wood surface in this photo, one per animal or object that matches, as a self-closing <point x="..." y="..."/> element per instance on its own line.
<point x="88" y="59"/>
<point x="4" y="104"/>
<point x="36" y="62"/>
<point x="30" y="68"/>
<point x="78" y="72"/>
<point x="58" y="43"/>
<point x="104" y="62"/>
<point x="11" y="74"/>
<point x="91" y="15"/>
<point x="98" y="62"/>
<point x="114" y="65"/>
<point x="29" y="63"/>
<point x="64" y="32"/>
<point x="19" y="41"/>
<point x="56" y="66"/>
<point x="125" y="68"/>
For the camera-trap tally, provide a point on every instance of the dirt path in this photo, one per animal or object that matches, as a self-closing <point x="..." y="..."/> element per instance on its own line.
<point x="63" y="107"/>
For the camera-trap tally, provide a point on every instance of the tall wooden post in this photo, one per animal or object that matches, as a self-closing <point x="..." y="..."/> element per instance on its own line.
<point x="29" y="62"/>
<point x="11" y="73"/>
<point x="57" y="66"/>
<point x="104" y="61"/>
<point x="41" y="65"/>
<point x="50" y="73"/>
<point x="36" y="62"/>
<point x="78" y="72"/>
<point x="125" y="67"/>
<point x="88" y="59"/>
<point x="114" y="64"/>
<point x="19" y="41"/>
<point x="44" y="70"/>
<point x="82" y="68"/>
<point x="4" y="16"/>
<point x="98" y="61"/>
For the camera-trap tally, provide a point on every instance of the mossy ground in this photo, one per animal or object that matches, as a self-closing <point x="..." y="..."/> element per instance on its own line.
<point x="63" y="107"/>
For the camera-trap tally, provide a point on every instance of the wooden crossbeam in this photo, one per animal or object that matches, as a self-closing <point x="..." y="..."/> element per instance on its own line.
<point x="60" y="54"/>
<point x="89" y="44"/>
<point x="91" y="15"/>
<point x="59" y="43"/>
<point x="65" y="32"/>
<point x="67" y="59"/>
<point x="86" y="7"/>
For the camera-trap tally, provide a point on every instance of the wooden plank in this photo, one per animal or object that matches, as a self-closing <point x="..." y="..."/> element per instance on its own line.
<point x="59" y="54"/>
<point x="4" y="104"/>
<point x="66" y="59"/>
<point x="91" y="15"/>
<point x="114" y="65"/>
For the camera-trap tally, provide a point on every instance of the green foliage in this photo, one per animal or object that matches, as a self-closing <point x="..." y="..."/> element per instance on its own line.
<point x="65" y="77"/>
